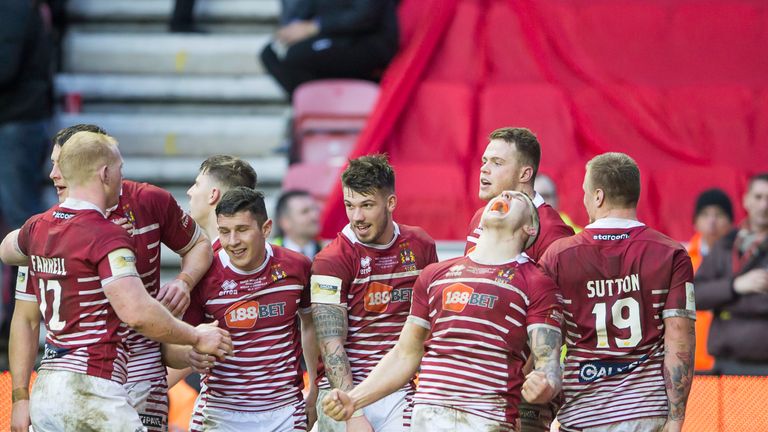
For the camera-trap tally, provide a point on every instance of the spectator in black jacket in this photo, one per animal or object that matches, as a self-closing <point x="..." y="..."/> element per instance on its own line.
<point x="25" y="109"/>
<point x="333" y="39"/>
<point x="733" y="281"/>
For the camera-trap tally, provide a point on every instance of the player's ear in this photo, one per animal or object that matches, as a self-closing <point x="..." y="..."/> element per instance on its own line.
<point x="266" y="228"/>
<point x="214" y="196"/>
<point x="104" y="173"/>
<point x="599" y="197"/>
<point x="391" y="202"/>
<point x="526" y="174"/>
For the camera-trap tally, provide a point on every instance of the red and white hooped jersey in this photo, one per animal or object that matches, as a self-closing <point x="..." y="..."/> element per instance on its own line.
<point x="73" y="252"/>
<point x="156" y="218"/>
<point x="479" y="316"/>
<point x="619" y="280"/>
<point x="375" y="284"/>
<point x="259" y="308"/>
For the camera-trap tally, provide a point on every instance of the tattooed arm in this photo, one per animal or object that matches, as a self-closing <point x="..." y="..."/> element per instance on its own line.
<point x="679" y="348"/>
<point x="331" y="328"/>
<point x="544" y="382"/>
<point x="391" y="373"/>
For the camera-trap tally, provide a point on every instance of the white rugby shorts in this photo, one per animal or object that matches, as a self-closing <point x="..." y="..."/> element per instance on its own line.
<point x="389" y="414"/>
<point x="150" y="399"/>
<point x="63" y="401"/>
<point x="292" y="418"/>
<point x="433" y="418"/>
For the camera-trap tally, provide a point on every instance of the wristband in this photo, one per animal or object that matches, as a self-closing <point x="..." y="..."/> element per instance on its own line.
<point x="185" y="277"/>
<point x="19" y="394"/>
<point x="357" y="413"/>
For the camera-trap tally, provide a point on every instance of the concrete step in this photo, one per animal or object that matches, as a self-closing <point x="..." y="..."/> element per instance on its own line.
<point x="163" y="53"/>
<point x="170" y="88"/>
<point x="181" y="171"/>
<point x="155" y="10"/>
<point x="151" y="134"/>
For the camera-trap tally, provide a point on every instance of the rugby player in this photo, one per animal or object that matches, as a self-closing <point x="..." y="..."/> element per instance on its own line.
<point x="469" y="328"/>
<point x="361" y="292"/>
<point x="256" y="291"/>
<point x="629" y="310"/>
<point x="85" y="280"/>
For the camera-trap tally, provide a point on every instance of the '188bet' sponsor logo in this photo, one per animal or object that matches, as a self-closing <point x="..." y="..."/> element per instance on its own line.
<point x="243" y="315"/>
<point x="457" y="296"/>
<point x="378" y="296"/>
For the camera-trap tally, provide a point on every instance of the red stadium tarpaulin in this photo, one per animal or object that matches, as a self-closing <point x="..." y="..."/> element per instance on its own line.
<point x="678" y="85"/>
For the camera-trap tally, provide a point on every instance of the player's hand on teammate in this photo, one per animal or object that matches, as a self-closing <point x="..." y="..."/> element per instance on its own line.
<point x="174" y="295"/>
<point x="311" y="402"/>
<point x="338" y="405"/>
<point x="125" y="224"/>
<point x="537" y="389"/>
<point x="213" y="340"/>
<point x="754" y="281"/>
<point x="199" y="362"/>
<point x="20" y="416"/>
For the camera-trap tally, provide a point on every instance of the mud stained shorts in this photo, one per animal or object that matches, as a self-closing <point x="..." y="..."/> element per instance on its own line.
<point x="64" y="401"/>
<point x="433" y="418"/>
<point x="389" y="414"/>
<point x="650" y="424"/>
<point x="536" y="418"/>
<point x="150" y="399"/>
<point x="292" y="418"/>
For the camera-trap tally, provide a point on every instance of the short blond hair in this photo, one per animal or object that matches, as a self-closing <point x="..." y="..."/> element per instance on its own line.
<point x="618" y="176"/>
<point x="84" y="154"/>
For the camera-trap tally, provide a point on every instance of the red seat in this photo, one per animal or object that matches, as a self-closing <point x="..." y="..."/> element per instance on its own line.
<point x="316" y="178"/>
<point x="334" y="105"/>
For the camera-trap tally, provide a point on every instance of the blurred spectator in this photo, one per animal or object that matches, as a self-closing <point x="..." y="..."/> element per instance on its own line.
<point x="332" y="39"/>
<point x="297" y="218"/>
<point x="548" y="190"/>
<point x="733" y="281"/>
<point x="712" y="219"/>
<point x="183" y="17"/>
<point x="25" y="109"/>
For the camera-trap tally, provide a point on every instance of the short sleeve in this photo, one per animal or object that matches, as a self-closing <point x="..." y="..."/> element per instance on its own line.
<point x="681" y="298"/>
<point x="118" y="264"/>
<point x="545" y="308"/>
<point x="24" y="289"/>
<point x="195" y="312"/>
<point x="420" y="302"/>
<point x="22" y="239"/>
<point x="329" y="283"/>
<point x="178" y="231"/>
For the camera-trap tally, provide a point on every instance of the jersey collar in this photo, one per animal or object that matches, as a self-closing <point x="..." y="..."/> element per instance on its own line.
<point x="77" y="204"/>
<point x="538" y="200"/>
<point x="349" y="234"/>
<point x="226" y="263"/>
<point x="614" y="223"/>
<point x="520" y="259"/>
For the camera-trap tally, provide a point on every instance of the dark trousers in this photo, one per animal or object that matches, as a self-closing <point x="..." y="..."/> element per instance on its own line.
<point x="182" y="16"/>
<point x="323" y="57"/>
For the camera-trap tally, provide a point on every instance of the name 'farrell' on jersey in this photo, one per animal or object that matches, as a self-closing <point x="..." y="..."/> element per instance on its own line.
<point x="375" y="283"/>
<point x="620" y="280"/>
